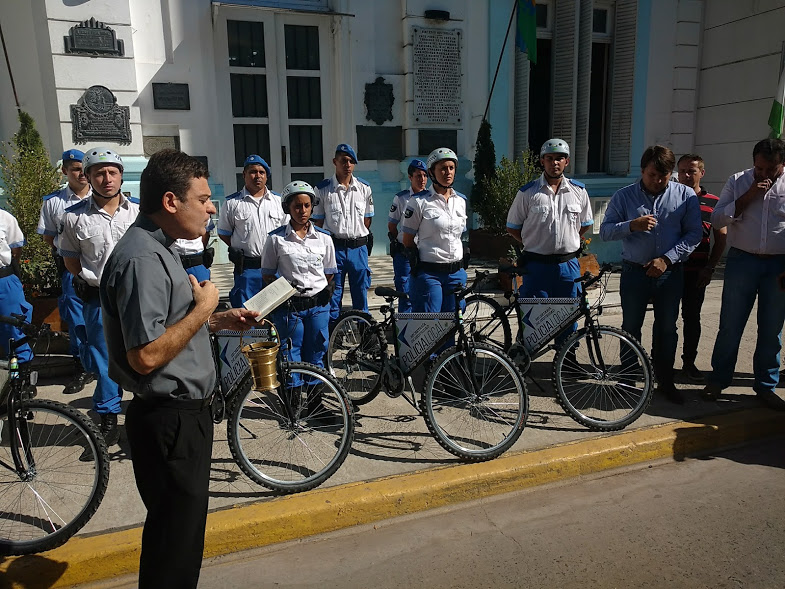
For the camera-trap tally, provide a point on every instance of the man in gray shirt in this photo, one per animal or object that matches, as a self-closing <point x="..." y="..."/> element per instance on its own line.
<point x="156" y="321"/>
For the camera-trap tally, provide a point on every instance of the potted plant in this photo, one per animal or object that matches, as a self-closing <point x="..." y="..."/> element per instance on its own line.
<point x="587" y="260"/>
<point x="27" y="176"/>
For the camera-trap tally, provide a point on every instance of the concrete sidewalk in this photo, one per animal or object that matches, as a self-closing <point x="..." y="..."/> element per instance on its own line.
<point x="396" y="467"/>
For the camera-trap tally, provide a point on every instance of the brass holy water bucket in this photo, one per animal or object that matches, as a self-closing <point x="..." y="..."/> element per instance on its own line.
<point x="262" y="358"/>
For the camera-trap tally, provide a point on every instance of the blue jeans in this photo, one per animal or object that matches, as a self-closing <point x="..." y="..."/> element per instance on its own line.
<point x="245" y="286"/>
<point x="352" y="262"/>
<point x="107" y="394"/>
<point x="747" y="277"/>
<point x="636" y="290"/>
<point x="403" y="282"/>
<point x="552" y="280"/>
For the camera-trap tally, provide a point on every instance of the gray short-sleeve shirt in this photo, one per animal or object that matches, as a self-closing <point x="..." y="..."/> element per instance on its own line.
<point x="144" y="290"/>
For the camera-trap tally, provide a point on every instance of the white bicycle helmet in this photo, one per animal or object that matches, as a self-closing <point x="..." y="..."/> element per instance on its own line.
<point x="442" y="153"/>
<point x="101" y="155"/>
<point x="555" y="145"/>
<point x="293" y="189"/>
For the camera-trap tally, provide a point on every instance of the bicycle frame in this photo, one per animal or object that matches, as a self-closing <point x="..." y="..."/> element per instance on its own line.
<point x="10" y="398"/>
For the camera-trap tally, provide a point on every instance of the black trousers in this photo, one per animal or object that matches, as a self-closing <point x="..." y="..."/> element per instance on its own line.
<point x="171" y="450"/>
<point x="691" y="304"/>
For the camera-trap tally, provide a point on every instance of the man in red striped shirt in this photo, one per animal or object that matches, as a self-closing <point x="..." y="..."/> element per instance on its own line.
<point x="699" y="267"/>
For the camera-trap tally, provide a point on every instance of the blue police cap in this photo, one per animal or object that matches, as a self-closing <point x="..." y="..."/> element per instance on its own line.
<point x="73" y="155"/>
<point x="255" y="159"/>
<point x="347" y="149"/>
<point x="416" y="164"/>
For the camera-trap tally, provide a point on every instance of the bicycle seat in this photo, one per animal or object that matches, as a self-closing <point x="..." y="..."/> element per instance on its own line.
<point x="387" y="292"/>
<point x="513" y="270"/>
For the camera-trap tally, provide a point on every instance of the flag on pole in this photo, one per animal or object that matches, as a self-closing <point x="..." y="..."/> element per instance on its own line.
<point x="776" y="114"/>
<point x="526" y="29"/>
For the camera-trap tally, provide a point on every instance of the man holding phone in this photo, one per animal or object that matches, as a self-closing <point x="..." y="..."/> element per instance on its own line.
<point x="752" y="207"/>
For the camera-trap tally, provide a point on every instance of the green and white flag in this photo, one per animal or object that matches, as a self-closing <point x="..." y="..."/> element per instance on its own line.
<point x="777" y="111"/>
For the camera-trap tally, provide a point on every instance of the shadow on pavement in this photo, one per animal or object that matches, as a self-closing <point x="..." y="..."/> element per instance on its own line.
<point x="32" y="572"/>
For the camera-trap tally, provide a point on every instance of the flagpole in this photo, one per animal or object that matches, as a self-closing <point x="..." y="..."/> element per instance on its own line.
<point x="501" y="54"/>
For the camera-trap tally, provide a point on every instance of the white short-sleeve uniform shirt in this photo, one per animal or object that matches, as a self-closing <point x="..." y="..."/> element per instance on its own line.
<point x="438" y="224"/>
<point x="11" y="237"/>
<point x="53" y="210"/>
<point x="343" y="209"/>
<point x="248" y="220"/>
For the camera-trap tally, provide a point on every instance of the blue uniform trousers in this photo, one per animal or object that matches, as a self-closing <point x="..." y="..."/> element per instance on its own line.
<point x="403" y="275"/>
<point x="552" y="280"/>
<point x="308" y="331"/>
<point x="70" y="307"/>
<point x="351" y="262"/>
<point x="433" y="291"/>
<point x="199" y="272"/>
<point x="245" y="286"/>
<point x="12" y="301"/>
<point x="107" y="394"/>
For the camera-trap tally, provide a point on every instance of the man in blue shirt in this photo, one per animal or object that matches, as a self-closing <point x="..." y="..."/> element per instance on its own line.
<point x="659" y="223"/>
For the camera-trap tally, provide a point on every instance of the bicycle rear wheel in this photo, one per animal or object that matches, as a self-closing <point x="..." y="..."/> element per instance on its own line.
<point x="65" y="479"/>
<point x="475" y="423"/>
<point x="603" y="382"/>
<point x="296" y="449"/>
<point x="354" y="356"/>
<point x="492" y="323"/>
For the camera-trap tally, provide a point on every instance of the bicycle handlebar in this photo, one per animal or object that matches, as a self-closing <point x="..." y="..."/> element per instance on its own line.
<point x="479" y="276"/>
<point x="29" y="329"/>
<point x="588" y="278"/>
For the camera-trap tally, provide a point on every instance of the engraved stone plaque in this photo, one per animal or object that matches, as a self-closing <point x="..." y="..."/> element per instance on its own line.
<point x="96" y="116"/>
<point x="437" y="76"/>
<point x="378" y="101"/>
<point x="171" y="96"/>
<point x="154" y="143"/>
<point x="93" y="37"/>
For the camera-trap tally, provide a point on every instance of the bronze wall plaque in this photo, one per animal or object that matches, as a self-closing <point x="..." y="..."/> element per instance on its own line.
<point x="92" y="37"/>
<point x="97" y="117"/>
<point x="169" y="96"/>
<point x="378" y="101"/>
<point x="154" y="143"/>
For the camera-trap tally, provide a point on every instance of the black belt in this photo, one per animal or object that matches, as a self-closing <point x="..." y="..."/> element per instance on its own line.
<point x="252" y="263"/>
<point x="637" y="265"/>
<point x="304" y="303"/>
<point x="90" y="293"/>
<point x="6" y="271"/>
<point x="446" y="268"/>
<point x="548" y="259"/>
<point x="169" y="402"/>
<point x="192" y="260"/>
<point x="357" y="242"/>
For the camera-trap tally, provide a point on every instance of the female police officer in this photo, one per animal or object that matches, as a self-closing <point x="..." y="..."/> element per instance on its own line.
<point x="304" y="254"/>
<point x="437" y="217"/>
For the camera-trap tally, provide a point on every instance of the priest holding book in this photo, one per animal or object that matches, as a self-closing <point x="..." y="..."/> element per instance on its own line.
<point x="303" y="254"/>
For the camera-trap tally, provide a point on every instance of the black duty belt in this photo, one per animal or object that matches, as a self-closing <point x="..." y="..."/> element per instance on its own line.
<point x="6" y="271"/>
<point x="192" y="260"/>
<point x="90" y="293"/>
<point x="446" y="268"/>
<point x="550" y="258"/>
<point x="252" y="263"/>
<point x="356" y="242"/>
<point x="304" y="303"/>
<point x="170" y="402"/>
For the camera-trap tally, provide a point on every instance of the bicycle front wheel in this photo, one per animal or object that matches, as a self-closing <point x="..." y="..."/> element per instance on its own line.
<point x="295" y="437"/>
<point x="66" y="471"/>
<point x="603" y="381"/>
<point x="492" y="326"/>
<point x="354" y="356"/>
<point x="475" y="402"/>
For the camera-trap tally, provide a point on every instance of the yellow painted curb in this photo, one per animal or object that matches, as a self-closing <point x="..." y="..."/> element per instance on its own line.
<point x="89" y="559"/>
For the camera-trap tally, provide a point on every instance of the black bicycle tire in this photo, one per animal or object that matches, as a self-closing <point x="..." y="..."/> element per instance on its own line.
<point x="61" y="536"/>
<point x="376" y="387"/>
<point x="442" y="438"/>
<point x="595" y="424"/>
<point x="499" y="314"/>
<point x="242" y="459"/>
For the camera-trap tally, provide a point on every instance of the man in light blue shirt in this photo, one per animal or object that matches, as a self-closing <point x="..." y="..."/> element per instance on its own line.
<point x="659" y="223"/>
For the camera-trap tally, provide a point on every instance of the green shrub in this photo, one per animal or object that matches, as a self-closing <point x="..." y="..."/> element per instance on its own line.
<point x="484" y="164"/>
<point x="28" y="176"/>
<point x="499" y="191"/>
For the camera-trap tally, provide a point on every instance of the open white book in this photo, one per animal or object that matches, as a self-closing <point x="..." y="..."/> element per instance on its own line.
<point x="270" y="297"/>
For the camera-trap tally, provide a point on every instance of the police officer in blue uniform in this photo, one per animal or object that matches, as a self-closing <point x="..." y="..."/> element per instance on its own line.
<point x="437" y="217"/>
<point x="70" y="305"/>
<point x="344" y="206"/>
<point x="12" y="296"/>
<point x="245" y="220"/>
<point x="418" y="178"/>
<point x="90" y="230"/>
<point x="304" y="254"/>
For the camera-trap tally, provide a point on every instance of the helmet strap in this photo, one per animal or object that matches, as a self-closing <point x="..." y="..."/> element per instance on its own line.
<point x="432" y="176"/>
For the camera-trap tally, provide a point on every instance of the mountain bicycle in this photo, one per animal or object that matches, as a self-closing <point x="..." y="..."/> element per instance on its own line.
<point x="54" y="465"/>
<point x="290" y="428"/>
<point x="602" y="375"/>
<point x="474" y="401"/>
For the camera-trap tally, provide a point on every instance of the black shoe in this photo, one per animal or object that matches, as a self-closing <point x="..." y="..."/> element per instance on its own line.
<point x="78" y="383"/>
<point x="673" y="394"/>
<point x="109" y="428"/>
<point x="772" y="400"/>
<point x="691" y="373"/>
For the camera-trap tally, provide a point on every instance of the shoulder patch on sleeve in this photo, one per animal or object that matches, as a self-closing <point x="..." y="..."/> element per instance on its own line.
<point x="233" y="195"/>
<point x="48" y="196"/>
<point x="361" y="181"/>
<point x="578" y="184"/>
<point x="526" y="187"/>
<point x="74" y="208"/>
<point x="320" y="230"/>
<point x="278" y="230"/>
<point x="409" y="212"/>
<point x="323" y="184"/>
